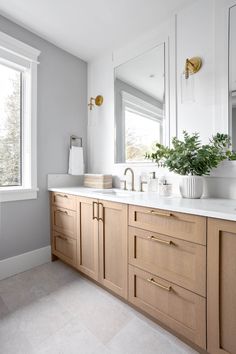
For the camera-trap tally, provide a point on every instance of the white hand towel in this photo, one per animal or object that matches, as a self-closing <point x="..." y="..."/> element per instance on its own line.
<point x="76" y="161"/>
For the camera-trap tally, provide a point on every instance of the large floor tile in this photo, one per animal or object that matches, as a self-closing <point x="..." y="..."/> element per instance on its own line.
<point x="72" y="339"/>
<point x="137" y="337"/>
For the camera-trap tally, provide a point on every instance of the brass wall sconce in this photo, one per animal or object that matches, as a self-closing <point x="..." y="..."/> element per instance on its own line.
<point x="98" y="101"/>
<point x="192" y="66"/>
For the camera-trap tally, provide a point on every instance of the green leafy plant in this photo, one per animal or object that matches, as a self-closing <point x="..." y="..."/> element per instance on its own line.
<point x="190" y="157"/>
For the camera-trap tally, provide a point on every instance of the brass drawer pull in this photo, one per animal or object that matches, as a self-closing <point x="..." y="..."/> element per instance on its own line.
<point x="160" y="213"/>
<point x="62" y="238"/>
<point x="62" y="195"/>
<point x="101" y="218"/>
<point x="62" y="212"/>
<point x="153" y="238"/>
<point x="167" y="288"/>
<point x="95" y="217"/>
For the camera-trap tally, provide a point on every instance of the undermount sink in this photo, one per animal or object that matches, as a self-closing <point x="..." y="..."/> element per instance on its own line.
<point x="116" y="193"/>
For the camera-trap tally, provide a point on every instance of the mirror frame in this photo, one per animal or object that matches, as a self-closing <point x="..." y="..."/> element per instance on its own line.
<point x="138" y="48"/>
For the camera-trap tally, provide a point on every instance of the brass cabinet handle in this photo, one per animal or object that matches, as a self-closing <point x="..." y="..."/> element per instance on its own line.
<point x="62" y="238"/>
<point x="62" y="212"/>
<point x="95" y="217"/>
<point x="156" y="239"/>
<point x="62" y="195"/>
<point x="100" y="217"/>
<point x="160" y="213"/>
<point x="167" y="288"/>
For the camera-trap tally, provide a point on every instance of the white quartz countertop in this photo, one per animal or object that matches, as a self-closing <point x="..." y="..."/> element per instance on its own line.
<point x="210" y="207"/>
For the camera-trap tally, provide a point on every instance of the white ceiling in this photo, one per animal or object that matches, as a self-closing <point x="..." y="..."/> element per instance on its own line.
<point x="145" y="72"/>
<point x="87" y="28"/>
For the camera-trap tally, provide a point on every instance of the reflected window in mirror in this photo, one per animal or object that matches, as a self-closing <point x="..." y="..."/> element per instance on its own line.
<point x="232" y="75"/>
<point x="140" y="105"/>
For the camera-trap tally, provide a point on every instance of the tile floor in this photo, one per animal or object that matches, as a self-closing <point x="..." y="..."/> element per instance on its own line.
<point x="52" y="309"/>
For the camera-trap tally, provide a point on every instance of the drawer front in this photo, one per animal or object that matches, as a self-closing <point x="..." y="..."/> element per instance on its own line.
<point x="183" y="226"/>
<point x="66" y="201"/>
<point x="64" y="221"/>
<point x="64" y="247"/>
<point x="181" y="262"/>
<point x="179" y="309"/>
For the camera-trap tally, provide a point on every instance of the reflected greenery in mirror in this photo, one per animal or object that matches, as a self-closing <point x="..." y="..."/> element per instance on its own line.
<point x="139" y="105"/>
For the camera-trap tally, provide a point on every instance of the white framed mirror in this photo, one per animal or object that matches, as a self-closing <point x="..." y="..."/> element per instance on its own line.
<point x="141" y="110"/>
<point x="232" y="75"/>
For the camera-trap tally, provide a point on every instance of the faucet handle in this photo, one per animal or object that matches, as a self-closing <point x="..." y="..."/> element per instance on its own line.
<point x="142" y="183"/>
<point x="124" y="184"/>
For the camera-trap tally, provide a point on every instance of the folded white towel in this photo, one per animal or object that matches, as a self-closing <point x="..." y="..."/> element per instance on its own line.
<point x="76" y="161"/>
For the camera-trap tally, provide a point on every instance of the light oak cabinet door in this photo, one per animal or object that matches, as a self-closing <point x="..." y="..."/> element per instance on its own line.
<point x="179" y="261"/>
<point x="183" y="226"/>
<point x="64" y="247"/>
<point x="113" y="246"/>
<point x="181" y="310"/>
<point x="64" y="221"/>
<point x="87" y="241"/>
<point x="221" y="293"/>
<point x="62" y="200"/>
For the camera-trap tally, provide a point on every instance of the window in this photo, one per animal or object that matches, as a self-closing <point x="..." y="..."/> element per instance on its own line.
<point x="18" y="93"/>
<point x="143" y="127"/>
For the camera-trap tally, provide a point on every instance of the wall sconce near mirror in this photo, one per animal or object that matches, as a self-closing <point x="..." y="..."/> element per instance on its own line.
<point x="98" y="101"/>
<point x="192" y="66"/>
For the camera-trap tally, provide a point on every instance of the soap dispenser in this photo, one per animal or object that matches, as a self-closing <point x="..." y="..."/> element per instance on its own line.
<point x="152" y="182"/>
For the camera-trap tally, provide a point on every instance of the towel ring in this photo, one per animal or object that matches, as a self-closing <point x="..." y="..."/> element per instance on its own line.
<point x="76" y="141"/>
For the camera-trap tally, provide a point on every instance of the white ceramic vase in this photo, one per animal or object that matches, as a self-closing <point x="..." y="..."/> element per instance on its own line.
<point x="191" y="186"/>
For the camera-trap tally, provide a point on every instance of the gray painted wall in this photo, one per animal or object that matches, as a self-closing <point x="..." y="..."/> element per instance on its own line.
<point x="234" y="128"/>
<point x="62" y="111"/>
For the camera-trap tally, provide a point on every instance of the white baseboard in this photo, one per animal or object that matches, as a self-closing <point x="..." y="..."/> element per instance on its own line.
<point x="25" y="261"/>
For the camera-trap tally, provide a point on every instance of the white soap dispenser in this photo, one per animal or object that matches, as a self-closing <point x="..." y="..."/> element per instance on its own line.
<point x="153" y="183"/>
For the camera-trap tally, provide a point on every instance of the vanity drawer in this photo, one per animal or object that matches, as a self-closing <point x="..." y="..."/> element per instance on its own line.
<point x="64" y="247"/>
<point x="181" y="262"/>
<point x="64" y="221"/>
<point x="179" y="309"/>
<point x="183" y="226"/>
<point x="63" y="200"/>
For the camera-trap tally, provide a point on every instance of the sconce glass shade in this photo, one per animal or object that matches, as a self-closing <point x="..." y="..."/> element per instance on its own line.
<point x="187" y="89"/>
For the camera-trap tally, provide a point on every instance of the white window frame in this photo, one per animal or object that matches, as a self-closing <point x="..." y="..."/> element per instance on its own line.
<point x="26" y="57"/>
<point x="145" y="109"/>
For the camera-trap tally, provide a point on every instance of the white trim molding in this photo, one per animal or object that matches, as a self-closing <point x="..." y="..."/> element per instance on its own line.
<point x="25" y="58"/>
<point x="21" y="263"/>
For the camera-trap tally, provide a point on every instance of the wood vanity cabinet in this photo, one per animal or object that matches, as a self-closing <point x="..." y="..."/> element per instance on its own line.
<point x="64" y="227"/>
<point x="102" y="242"/>
<point x="221" y="287"/>
<point x="167" y="269"/>
<point x="87" y="239"/>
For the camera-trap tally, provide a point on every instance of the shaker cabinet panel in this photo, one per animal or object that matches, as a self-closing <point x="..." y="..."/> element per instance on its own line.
<point x="87" y="244"/>
<point x="183" y="226"/>
<point x="179" y="261"/>
<point x="113" y="247"/>
<point x="221" y="298"/>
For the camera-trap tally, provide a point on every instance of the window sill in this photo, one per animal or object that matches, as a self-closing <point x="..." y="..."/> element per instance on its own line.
<point x="17" y="193"/>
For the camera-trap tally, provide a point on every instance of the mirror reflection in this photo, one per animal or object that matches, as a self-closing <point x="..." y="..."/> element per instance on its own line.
<point x="232" y="75"/>
<point x="140" y="105"/>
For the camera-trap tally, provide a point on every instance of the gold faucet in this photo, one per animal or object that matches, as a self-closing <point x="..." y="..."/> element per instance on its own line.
<point x="132" y="178"/>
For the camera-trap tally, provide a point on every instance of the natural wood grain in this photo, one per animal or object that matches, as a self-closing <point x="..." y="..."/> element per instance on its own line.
<point x="113" y="247"/>
<point x="62" y="200"/>
<point x="221" y="294"/>
<point x="64" y="247"/>
<point x="181" y="262"/>
<point x="87" y="242"/>
<point x="64" y="221"/>
<point x="179" y="309"/>
<point x="183" y="226"/>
